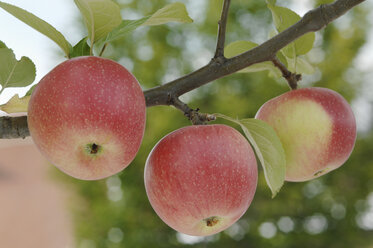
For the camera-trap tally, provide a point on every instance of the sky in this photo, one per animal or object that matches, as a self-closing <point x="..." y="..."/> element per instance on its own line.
<point x="62" y="14"/>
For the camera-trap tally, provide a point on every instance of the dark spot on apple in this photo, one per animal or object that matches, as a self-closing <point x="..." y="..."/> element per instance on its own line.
<point x="211" y="221"/>
<point x="94" y="148"/>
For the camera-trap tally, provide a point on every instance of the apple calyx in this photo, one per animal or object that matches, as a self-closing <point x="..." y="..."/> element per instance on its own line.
<point x="93" y="149"/>
<point x="212" y="221"/>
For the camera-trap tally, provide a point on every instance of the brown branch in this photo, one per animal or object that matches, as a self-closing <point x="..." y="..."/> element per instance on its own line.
<point x="312" y="21"/>
<point x="193" y="115"/>
<point x="219" y="53"/>
<point x="13" y="127"/>
<point x="291" y="77"/>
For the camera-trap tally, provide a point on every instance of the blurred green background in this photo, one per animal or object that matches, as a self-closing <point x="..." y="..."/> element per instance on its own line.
<point x="335" y="210"/>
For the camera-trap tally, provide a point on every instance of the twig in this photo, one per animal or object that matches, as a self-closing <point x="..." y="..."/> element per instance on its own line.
<point x="219" y="53"/>
<point x="193" y="115"/>
<point x="312" y="21"/>
<point x="103" y="49"/>
<point x="291" y="77"/>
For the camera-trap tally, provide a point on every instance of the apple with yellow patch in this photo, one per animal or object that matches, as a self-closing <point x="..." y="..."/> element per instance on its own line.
<point x="201" y="179"/>
<point x="87" y="117"/>
<point x="316" y="127"/>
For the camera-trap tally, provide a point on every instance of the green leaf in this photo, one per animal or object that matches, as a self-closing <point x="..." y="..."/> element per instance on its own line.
<point x="273" y="2"/>
<point x="16" y="104"/>
<point x="282" y="58"/>
<point x="238" y="47"/>
<point x="174" y="12"/>
<point x="272" y="33"/>
<point x="2" y="45"/>
<point x="100" y="17"/>
<point x="81" y="49"/>
<point x="29" y="92"/>
<point x="268" y="149"/>
<point x="300" y="65"/>
<point x="124" y="28"/>
<point x="15" y="73"/>
<point x="284" y="18"/>
<point x="38" y="24"/>
<point x="273" y="71"/>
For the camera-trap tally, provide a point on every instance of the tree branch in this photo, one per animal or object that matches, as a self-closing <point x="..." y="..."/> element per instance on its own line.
<point x="292" y="78"/>
<point x="219" y="53"/>
<point x="193" y="115"/>
<point x="13" y="127"/>
<point x="312" y="21"/>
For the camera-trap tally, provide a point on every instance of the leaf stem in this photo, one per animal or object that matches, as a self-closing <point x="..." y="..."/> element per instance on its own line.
<point x="103" y="49"/>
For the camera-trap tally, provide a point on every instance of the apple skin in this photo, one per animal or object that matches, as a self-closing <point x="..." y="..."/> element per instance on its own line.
<point x="87" y="117"/>
<point x="316" y="127"/>
<point x="201" y="179"/>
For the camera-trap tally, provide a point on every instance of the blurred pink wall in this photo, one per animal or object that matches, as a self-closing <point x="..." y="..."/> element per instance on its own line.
<point x="33" y="207"/>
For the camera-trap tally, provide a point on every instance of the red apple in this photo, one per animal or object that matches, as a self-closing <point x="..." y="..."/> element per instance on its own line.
<point x="316" y="127"/>
<point x="87" y="117"/>
<point x="201" y="179"/>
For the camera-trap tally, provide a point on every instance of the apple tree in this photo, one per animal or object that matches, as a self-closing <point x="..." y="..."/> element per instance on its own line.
<point x="85" y="130"/>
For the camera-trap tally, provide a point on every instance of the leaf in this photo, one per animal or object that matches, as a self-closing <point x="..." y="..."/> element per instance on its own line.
<point x="268" y="149"/>
<point x="15" y="73"/>
<point x="300" y="65"/>
<point x="2" y="45"/>
<point x="238" y="47"/>
<point x="100" y="17"/>
<point x="29" y="92"/>
<point x="38" y="24"/>
<point x="174" y="12"/>
<point x="16" y="104"/>
<point x="81" y="49"/>
<point x="284" y="18"/>
<point x="124" y="28"/>
<point x="282" y="58"/>
<point x="272" y="33"/>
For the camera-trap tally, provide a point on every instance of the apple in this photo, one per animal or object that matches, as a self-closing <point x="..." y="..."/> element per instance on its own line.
<point x="316" y="127"/>
<point x="87" y="117"/>
<point x="201" y="179"/>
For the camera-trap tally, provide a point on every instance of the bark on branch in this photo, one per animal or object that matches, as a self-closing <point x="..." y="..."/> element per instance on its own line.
<point x="13" y="127"/>
<point x="291" y="77"/>
<point x="219" y="66"/>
